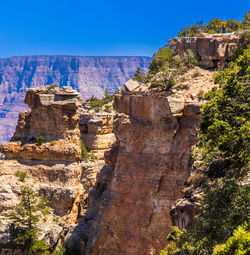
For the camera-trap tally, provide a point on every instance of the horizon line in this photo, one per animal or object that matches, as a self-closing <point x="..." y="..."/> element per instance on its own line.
<point x="95" y="56"/>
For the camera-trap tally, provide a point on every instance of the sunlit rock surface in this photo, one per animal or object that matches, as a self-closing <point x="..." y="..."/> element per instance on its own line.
<point x="88" y="75"/>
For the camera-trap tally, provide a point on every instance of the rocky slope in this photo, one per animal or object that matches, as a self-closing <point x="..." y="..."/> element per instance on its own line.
<point x="54" y="168"/>
<point x="88" y="75"/>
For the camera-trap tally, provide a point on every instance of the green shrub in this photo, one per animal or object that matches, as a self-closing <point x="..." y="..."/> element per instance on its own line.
<point x="246" y="20"/>
<point x="85" y="153"/>
<point x="162" y="59"/>
<point x="161" y="85"/>
<point x="93" y="157"/>
<point x="239" y="243"/>
<point x="182" y="87"/>
<point x="26" y="216"/>
<point x="226" y="115"/>
<point x="166" y="66"/>
<point x="139" y="76"/>
<point x="245" y="38"/>
<point x="233" y="25"/>
<point x="21" y="175"/>
<point x="214" y="26"/>
<point x="189" y="59"/>
<point x="189" y="31"/>
<point x="224" y="206"/>
<point x="183" y="79"/>
<point x="96" y="104"/>
<point x="52" y="143"/>
<point x="197" y="179"/>
<point x="196" y="74"/>
<point x="107" y="108"/>
<point x="40" y="140"/>
<point x="51" y="86"/>
<point x="200" y="94"/>
<point x="224" y="148"/>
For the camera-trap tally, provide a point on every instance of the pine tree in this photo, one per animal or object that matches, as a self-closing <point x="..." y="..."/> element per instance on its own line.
<point x="139" y="75"/>
<point x="25" y="217"/>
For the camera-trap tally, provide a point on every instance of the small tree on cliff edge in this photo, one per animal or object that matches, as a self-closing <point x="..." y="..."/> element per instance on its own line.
<point x="139" y="75"/>
<point x="26" y="217"/>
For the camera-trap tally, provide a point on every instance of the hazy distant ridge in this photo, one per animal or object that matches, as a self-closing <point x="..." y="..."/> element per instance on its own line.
<point x="89" y="75"/>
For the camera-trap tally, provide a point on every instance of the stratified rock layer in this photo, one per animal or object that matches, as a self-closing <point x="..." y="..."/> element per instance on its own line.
<point x="53" y="168"/>
<point x="54" y="116"/>
<point x="212" y="51"/>
<point x="130" y="205"/>
<point x="88" y="75"/>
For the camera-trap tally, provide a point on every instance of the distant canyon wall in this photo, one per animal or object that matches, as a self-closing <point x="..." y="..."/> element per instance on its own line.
<point x="89" y="75"/>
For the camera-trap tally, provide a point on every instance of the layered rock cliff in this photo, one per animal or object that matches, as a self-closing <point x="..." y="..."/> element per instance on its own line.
<point x="88" y="75"/>
<point x="54" y="168"/>
<point x="129" y="212"/>
<point x="212" y="51"/>
<point x="125" y="200"/>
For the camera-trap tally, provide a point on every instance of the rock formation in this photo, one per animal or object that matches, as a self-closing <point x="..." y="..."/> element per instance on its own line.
<point x="184" y="209"/>
<point x="88" y="75"/>
<point x="98" y="136"/>
<point x="125" y="199"/>
<point x="54" y="116"/>
<point x="212" y="51"/>
<point x="53" y="168"/>
<point x="129" y="212"/>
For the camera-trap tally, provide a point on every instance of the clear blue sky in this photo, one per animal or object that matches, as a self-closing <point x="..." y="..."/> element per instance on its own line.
<point x="104" y="28"/>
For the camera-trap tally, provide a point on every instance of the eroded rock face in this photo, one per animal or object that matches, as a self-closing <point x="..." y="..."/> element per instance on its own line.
<point x="53" y="168"/>
<point x="58" y="181"/>
<point x="212" y="51"/>
<point x="88" y="75"/>
<point x="55" y="116"/>
<point x="97" y="135"/>
<point x="97" y="132"/>
<point x="184" y="209"/>
<point x="149" y="164"/>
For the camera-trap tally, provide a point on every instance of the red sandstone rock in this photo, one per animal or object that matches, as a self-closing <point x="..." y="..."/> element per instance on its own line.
<point x="132" y="207"/>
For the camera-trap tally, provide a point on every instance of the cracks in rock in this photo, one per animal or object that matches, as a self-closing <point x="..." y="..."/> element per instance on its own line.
<point x="177" y="129"/>
<point x="160" y="184"/>
<point x="150" y="219"/>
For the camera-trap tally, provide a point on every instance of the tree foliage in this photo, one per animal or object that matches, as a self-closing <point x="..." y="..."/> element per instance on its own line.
<point x="238" y="244"/>
<point x="140" y="76"/>
<point x="96" y="104"/>
<point x="85" y="153"/>
<point x="226" y="117"/>
<point x="31" y="210"/>
<point x="214" y="26"/>
<point x="167" y="65"/>
<point x="224" y="137"/>
<point x="162" y="60"/>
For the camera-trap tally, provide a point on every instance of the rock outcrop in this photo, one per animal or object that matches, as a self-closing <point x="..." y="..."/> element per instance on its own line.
<point x="212" y="51"/>
<point x="98" y="136"/>
<point x="88" y="75"/>
<point x="129" y="209"/>
<point x="184" y="209"/>
<point x="53" y="168"/>
<point x="54" y="116"/>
